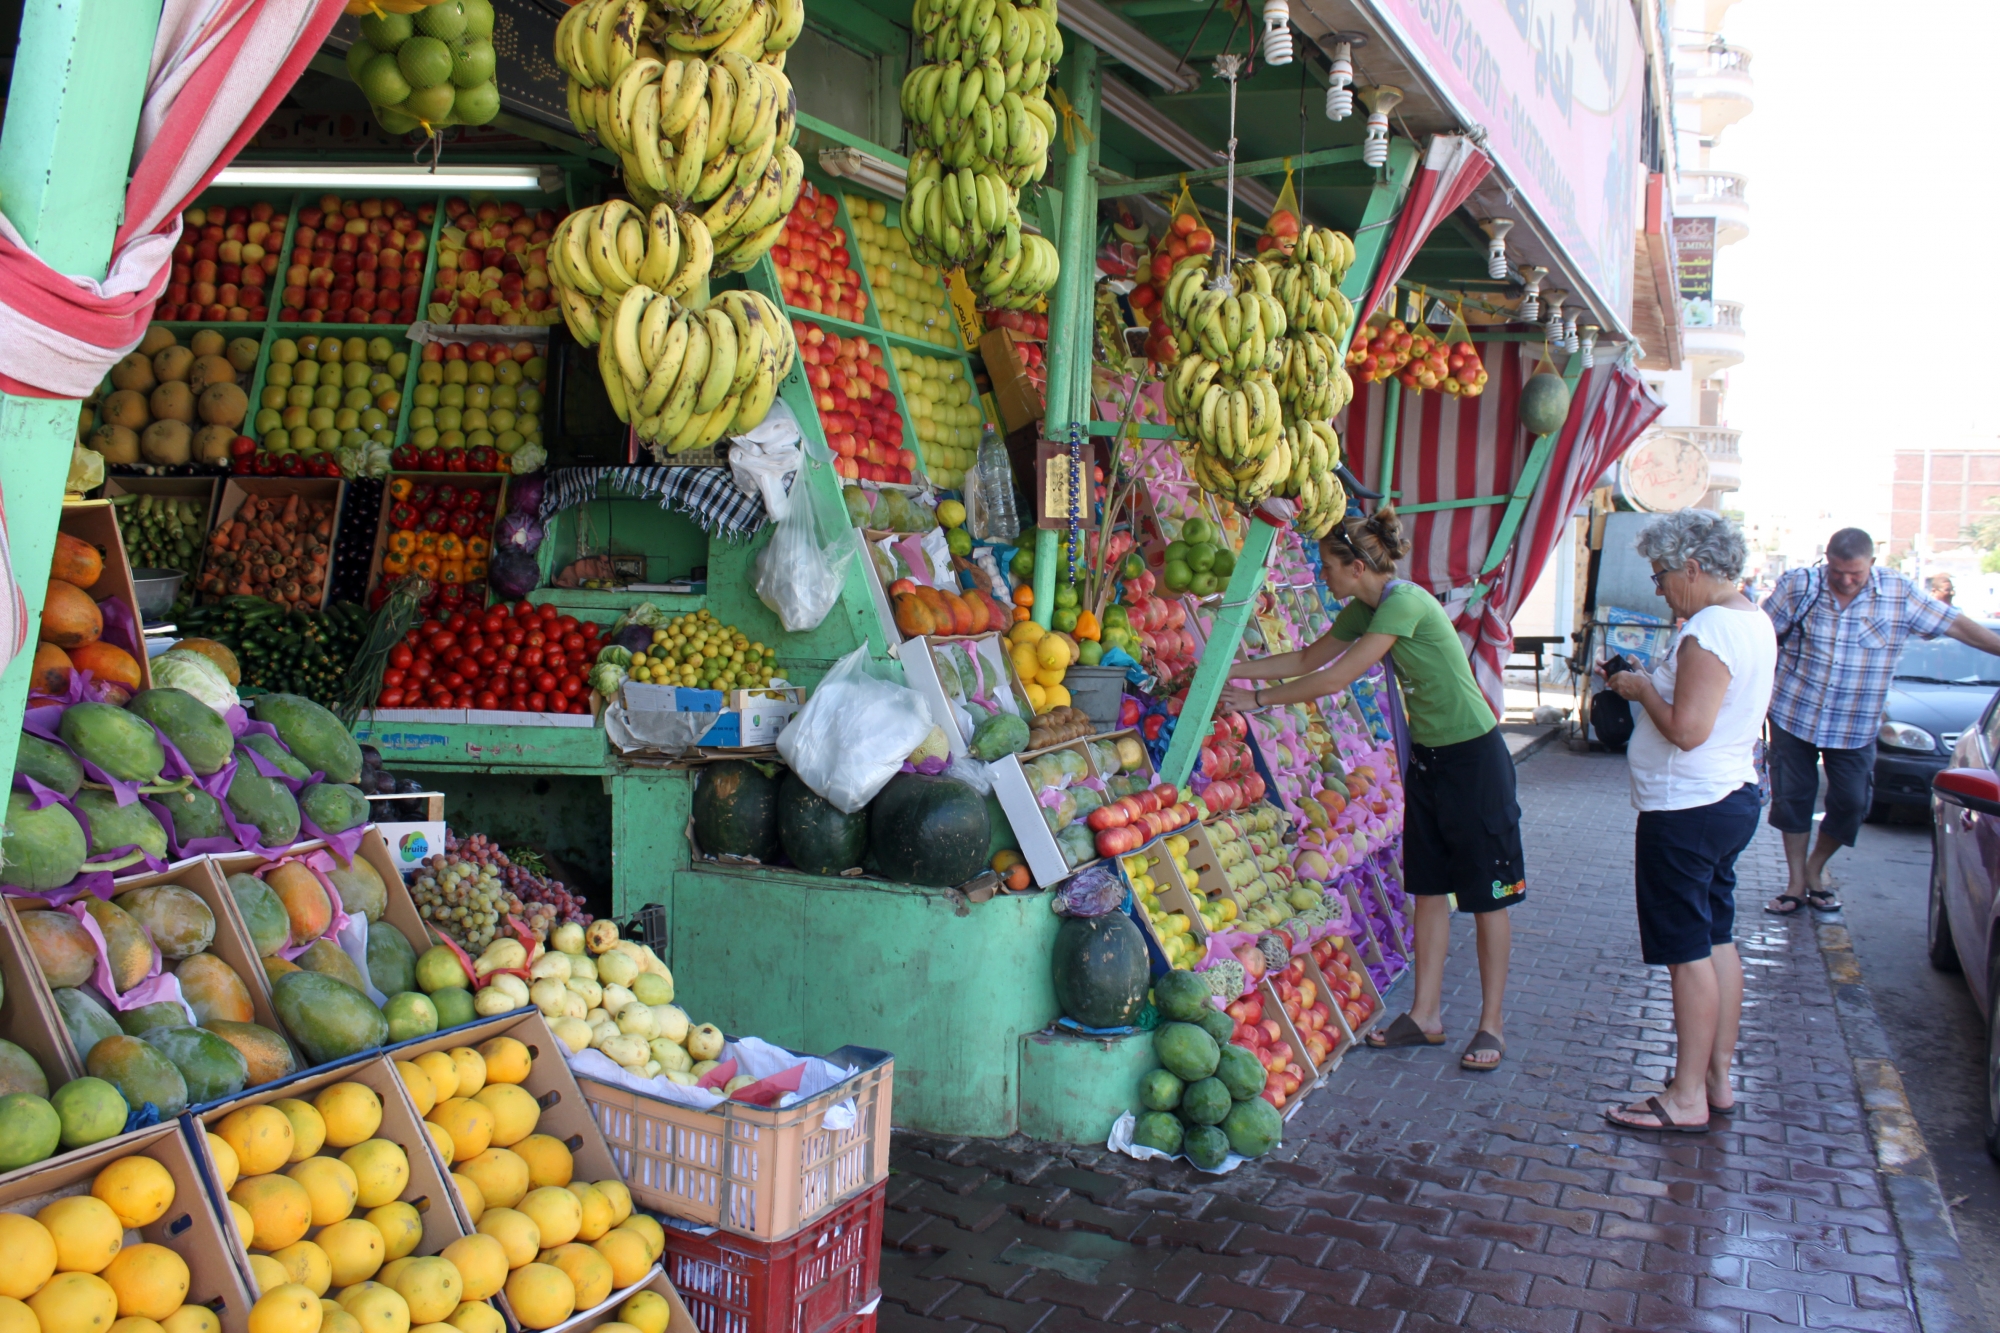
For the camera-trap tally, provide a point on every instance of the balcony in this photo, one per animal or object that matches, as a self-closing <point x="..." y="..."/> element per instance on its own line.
<point x="1722" y="195"/>
<point x="1714" y="80"/>
<point x="1725" y="456"/>
<point x="1712" y="335"/>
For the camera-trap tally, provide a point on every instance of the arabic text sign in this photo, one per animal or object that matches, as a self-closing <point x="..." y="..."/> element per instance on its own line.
<point x="1694" y="248"/>
<point x="1558" y="86"/>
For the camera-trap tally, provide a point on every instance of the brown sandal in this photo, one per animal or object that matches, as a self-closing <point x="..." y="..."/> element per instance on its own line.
<point x="1403" y="1032"/>
<point x="1658" y="1111"/>
<point x="1482" y="1042"/>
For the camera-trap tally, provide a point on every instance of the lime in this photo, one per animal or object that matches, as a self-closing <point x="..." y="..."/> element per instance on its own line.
<point x="1116" y="617"/>
<point x="1089" y="652"/>
<point x="445" y="21"/>
<point x="1065" y="595"/>
<point x="425" y="62"/>
<point x="1022" y="566"/>
<point x="1065" y="618"/>
<point x="473" y="65"/>
<point x="1133" y="567"/>
<point x="381" y="81"/>
<point x="958" y="540"/>
<point x="386" y="32"/>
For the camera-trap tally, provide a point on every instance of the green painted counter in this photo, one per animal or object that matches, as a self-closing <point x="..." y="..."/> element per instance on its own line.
<point x="486" y="748"/>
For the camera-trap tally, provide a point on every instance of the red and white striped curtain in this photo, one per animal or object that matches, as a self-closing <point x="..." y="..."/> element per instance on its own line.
<point x="219" y="67"/>
<point x="1452" y="168"/>
<point x="1465" y="448"/>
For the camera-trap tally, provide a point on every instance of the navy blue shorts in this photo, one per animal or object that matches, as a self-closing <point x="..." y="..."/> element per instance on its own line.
<point x="1684" y="869"/>
<point x="1462" y="825"/>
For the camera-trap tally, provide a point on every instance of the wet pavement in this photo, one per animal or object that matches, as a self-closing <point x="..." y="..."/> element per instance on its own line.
<point x="1411" y="1195"/>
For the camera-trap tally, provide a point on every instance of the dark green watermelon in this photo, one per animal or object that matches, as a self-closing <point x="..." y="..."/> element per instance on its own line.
<point x="1101" y="971"/>
<point x="928" y="830"/>
<point x="736" y="811"/>
<point x="817" y="836"/>
<point x="1544" y="404"/>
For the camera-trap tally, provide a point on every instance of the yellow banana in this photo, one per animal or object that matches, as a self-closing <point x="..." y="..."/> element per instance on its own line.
<point x="690" y="91"/>
<point x="647" y="146"/>
<point x="697" y="256"/>
<point x="689" y="151"/>
<point x="666" y="365"/>
<point x="579" y="314"/>
<point x="625" y="335"/>
<point x="721" y="360"/>
<point x="659" y="316"/>
<point x="605" y="259"/>
<point x="614" y="380"/>
<point x="632" y="241"/>
<point x="663" y="248"/>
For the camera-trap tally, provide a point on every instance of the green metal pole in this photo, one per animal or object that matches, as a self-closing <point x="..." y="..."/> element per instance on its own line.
<point x="1069" y="305"/>
<point x="73" y="101"/>
<point x="1392" y="414"/>
<point x="1371" y="237"/>
<point x="1531" y="477"/>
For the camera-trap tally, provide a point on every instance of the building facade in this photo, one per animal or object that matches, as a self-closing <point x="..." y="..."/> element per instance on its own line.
<point x="1937" y="495"/>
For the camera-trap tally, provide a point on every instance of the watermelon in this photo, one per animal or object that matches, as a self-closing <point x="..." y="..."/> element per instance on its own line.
<point x="928" y="830"/>
<point x="1100" y="969"/>
<point x="818" y="837"/>
<point x="736" y="811"/>
<point x="1544" y="404"/>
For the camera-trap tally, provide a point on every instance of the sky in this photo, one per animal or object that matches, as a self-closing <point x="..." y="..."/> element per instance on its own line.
<point x="1871" y="225"/>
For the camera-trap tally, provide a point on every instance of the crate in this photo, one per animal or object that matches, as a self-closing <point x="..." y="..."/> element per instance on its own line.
<point x="238" y="489"/>
<point x="758" y="1172"/>
<point x="817" y="1281"/>
<point x="678" y="1318"/>
<point x="93" y="521"/>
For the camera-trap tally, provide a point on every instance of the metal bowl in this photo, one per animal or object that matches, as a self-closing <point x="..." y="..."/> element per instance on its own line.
<point x="156" y="589"/>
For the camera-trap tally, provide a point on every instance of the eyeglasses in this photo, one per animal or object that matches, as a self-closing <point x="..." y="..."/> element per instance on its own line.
<point x="1657" y="576"/>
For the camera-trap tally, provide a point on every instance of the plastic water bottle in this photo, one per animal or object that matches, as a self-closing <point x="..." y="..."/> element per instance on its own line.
<point x="995" y="474"/>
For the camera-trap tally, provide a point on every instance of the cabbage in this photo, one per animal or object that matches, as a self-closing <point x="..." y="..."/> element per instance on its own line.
<point x="183" y="669"/>
<point x="528" y="458"/>
<point x="525" y="496"/>
<point x="513" y="573"/>
<point x="520" y="531"/>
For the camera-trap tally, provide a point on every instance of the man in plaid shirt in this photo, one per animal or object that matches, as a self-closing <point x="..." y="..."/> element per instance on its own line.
<point x="1841" y="627"/>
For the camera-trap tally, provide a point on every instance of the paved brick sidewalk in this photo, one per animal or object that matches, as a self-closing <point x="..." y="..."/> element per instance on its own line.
<point x="1410" y="1195"/>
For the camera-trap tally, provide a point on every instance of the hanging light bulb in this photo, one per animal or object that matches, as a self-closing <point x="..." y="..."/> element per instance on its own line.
<point x="1340" y="79"/>
<point x="1531" y="299"/>
<point x="1590" y="332"/>
<point x="1554" y="327"/>
<point x="1496" y="230"/>
<point x="1277" y="33"/>
<point x="1381" y="100"/>
<point x="1570" y="340"/>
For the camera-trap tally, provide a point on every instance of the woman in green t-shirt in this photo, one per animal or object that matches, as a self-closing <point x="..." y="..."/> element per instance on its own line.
<point x="1462" y="825"/>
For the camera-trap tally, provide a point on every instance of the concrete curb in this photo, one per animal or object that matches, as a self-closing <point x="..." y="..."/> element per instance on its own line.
<point x="1538" y="744"/>
<point x="1946" y="1298"/>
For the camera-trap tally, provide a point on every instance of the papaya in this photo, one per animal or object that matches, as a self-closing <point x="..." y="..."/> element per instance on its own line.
<point x="20" y="1073"/>
<point x="140" y="1073"/>
<point x="213" y="990"/>
<point x="275" y="967"/>
<point x="392" y="963"/>
<point x="196" y="730"/>
<point x="209" y="1066"/>
<point x="69" y="618"/>
<point x="269" y="924"/>
<point x="304" y="900"/>
<point x="107" y="663"/>
<point x="123" y="745"/>
<point x="113" y="826"/>
<point x="63" y="949"/>
<point x="219" y="654"/>
<point x="86" y="1021"/>
<point x="362" y="892"/>
<point x="313" y="735"/>
<point x="913" y="618"/>
<point x="266" y="803"/>
<point x="195" y="814"/>
<point x="127" y="947"/>
<point x="264" y="1052"/>
<point x="327" y="1017"/>
<point x="77" y="562"/>
<point x="333" y="806"/>
<point x="50" y="673"/>
<point x="40" y="849"/>
<point x="275" y="754"/>
<point x="152" y="1017"/>
<point x="179" y="921"/>
<point x="329" y="959"/>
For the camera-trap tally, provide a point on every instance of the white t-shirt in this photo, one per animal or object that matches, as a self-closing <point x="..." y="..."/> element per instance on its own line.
<point x="1665" y="777"/>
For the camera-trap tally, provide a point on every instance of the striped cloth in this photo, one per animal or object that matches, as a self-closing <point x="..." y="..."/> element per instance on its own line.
<point x="1452" y="169"/>
<point x="708" y="495"/>
<point x="1461" y="448"/>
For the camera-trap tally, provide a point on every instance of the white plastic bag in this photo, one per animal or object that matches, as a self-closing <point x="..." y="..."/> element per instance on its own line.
<point x="764" y="460"/>
<point x="796" y="577"/>
<point x="854" y="733"/>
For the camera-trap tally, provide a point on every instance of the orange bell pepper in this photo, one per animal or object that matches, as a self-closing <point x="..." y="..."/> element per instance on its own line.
<point x="403" y="543"/>
<point x="477" y="548"/>
<point x="1086" y="625"/>
<point x="425" y="564"/>
<point x="475" y="571"/>
<point x="427" y="542"/>
<point x="450" y="547"/>
<point x="451" y="571"/>
<point x="395" y="565"/>
<point x="400" y="488"/>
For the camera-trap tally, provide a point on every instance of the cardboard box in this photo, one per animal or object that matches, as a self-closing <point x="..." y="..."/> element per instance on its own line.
<point x="28" y="1014"/>
<point x="1024" y="812"/>
<point x="411" y="844"/>
<point x="565" y="1115"/>
<point x="191" y="1227"/>
<point x="1021" y="403"/>
<point x="201" y="490"/>
<point x="426" y="1190"/>
<point x="93" y="521"/>
<point x="236" y="490"/>
<point x="920" y="671"/>
<point x="678" y="1318"/>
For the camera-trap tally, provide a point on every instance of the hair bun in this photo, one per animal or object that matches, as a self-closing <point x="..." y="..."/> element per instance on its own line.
<point x="1386" y="526"/>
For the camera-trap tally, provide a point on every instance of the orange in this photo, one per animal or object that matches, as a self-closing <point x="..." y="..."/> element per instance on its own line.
<point x="280" y="1209"/>
<point x="507" y="1060"/>
<point x="290" y="1308"/>
<point x="261" y="1136"/>
<point x="589" y="1272"/>
<point x="86" y="1232"/>
<point x="542" y="1295"/>
<point x="481" y="1261"/>
<point x="150" y="1281"/>
<point x="77" y="1301"/>
<point x="31" y="1256"/>
<point x="627" y="1253"/>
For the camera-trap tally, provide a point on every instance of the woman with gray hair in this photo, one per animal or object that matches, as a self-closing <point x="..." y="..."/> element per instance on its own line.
<point x="1694" y="782"/>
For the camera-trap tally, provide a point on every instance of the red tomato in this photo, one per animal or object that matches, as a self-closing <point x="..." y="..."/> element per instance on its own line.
<point x="452" y="680"/>
<point x="532" y="657"/>
<point x="510" y="651"/>
<point x="523" y="610"/>
<point x="549" y="612"/>
<point x="414" y="638"/>
<point x="495" y="620"/>
<point x="538" y="702"/>
<point x="421" y="671"/>
<point x="572" y="687"/>
<point x="572" y="642"/>
<point x="519" y="675"/>
<point x="535" y="638"/>
<point x="461" y="700"/>
<point x="466" y="665"/>
<point x="487" y="699"/>
<point x="457" y="623"/>
<point x="515" y="634"/>
<point x="392" y="677"/>
<point x="545" y="681"/>
<point x="443" y="641"/>
<point x="486" y="657"/>
<point x="591" y="629"/>
<point x="471" y="643"/>
<point x="390" y="699"/>
<point x="401" y="656"/>
<point x="554" y="661"/>
<point x="429" y="627"/>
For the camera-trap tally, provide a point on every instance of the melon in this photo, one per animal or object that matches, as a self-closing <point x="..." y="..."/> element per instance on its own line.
<point x="736" y="811"/>
<point x="928" y="830"/>
<point x="818" y="836"/>
<point x="1544" y="404"/>
<point x="1100" y="969"/>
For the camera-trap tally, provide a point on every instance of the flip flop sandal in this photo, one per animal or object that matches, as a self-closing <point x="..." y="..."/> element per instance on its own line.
<point x="1403" y="1032"/>
<point x="1730" y="1109"/>
<point x="1659" y="1112"/>
<point x="1794" y="904"/>
<point x="1482" y="1042"/>
<point x="1822" y="900"/>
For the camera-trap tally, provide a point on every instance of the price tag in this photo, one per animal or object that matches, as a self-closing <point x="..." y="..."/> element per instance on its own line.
<point x="965" y="308"/>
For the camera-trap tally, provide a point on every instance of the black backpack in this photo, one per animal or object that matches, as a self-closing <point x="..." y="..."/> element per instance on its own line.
<point x="1611" y="719"/>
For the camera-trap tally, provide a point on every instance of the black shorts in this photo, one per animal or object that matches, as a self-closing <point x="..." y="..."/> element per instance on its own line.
<point x="1462" y="825"/>
<point x="1684" y="871"/>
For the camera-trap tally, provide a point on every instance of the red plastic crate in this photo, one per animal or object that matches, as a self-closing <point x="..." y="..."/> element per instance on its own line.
<point x="813" y="1282"/>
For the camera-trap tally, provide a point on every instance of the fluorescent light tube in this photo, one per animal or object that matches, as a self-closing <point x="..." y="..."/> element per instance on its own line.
<point x="1117" y="38"/>
<point x="866" y="170"/>
<point x="538" y="179"/>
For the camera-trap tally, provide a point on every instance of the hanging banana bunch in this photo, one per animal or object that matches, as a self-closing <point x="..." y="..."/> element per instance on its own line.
<point x="982" y="129"/>
<point x="1221" y="390"/>
<point x="696" y="104"/>
<point x="682" y="377"/>
<point x="1312" y="377"/>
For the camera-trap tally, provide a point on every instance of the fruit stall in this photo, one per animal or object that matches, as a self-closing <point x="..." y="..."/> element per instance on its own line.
<point x="711" y="603"/>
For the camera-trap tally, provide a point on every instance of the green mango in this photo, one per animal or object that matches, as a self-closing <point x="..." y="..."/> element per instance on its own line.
<point x="140" y="1073"/>
<point x="210" y="1066"/>
<point x="328" y="1018"/>
<point x="392" y="963"/>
